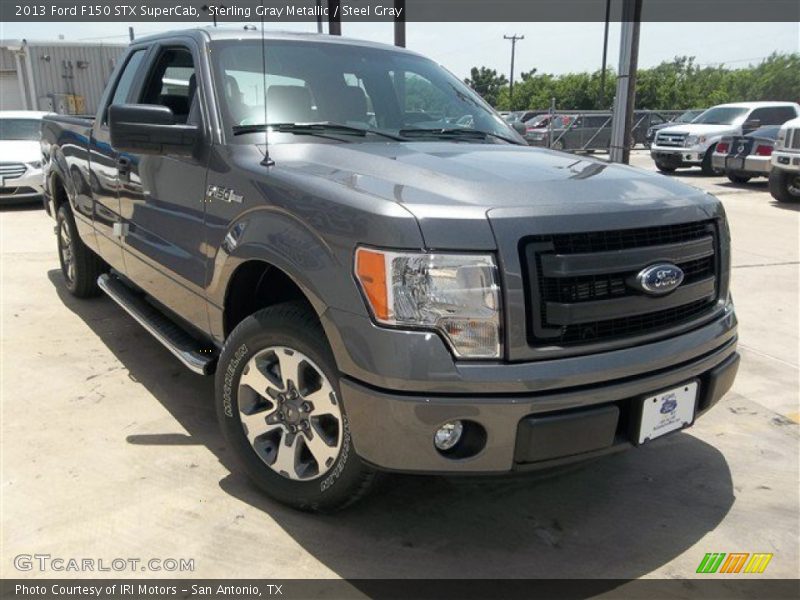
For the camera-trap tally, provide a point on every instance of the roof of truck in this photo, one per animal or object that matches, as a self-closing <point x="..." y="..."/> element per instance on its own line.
<point x="759" y="104"/>
<point x="230" y="33"/>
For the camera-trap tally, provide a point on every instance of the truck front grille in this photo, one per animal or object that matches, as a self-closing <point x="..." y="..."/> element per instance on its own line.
<point x="12" y="170"/>
<point x="670" y="139"/>
<point x="580" y="285"/>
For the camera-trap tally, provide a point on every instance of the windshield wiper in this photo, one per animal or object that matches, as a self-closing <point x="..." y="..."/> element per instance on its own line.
<point x="318" y="128"/>
<point x="455" y="133"/>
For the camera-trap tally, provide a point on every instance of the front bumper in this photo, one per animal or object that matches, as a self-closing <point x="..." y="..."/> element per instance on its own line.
<point x="27" y="187"/>
<point x="394" y="430"/>
<point x="677" y="157"/>
<point x="749" y="165"/>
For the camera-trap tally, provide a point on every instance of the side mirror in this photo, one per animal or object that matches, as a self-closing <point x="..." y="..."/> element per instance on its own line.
<point x="751" y="125"/>
<point x="520" y="128"/>
<point x="150" y="129"/>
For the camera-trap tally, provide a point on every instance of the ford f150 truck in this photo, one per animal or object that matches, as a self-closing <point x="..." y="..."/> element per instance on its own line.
<point x="784" y="178"/>
<point x="692" y="144"/>
<point x="376" y="288"/>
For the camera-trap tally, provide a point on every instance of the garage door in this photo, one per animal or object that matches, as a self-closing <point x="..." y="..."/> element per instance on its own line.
<point x="10" y="98"/>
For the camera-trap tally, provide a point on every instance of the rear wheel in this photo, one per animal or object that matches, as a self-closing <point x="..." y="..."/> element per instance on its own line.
<point x="80" y="266"/>
<point x="736" y="178"/>
<point x="557" y="145"/>
<point x="784" y="186"/>
<point x="280" y="409"/>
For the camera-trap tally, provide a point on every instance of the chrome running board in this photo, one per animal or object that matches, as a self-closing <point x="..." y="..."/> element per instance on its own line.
<point x="175" y="339"/>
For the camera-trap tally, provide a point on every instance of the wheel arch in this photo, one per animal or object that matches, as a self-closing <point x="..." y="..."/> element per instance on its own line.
<point x="257" y="283"/>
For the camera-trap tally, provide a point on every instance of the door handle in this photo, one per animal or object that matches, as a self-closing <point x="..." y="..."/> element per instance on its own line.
<point x="124" y="167"/>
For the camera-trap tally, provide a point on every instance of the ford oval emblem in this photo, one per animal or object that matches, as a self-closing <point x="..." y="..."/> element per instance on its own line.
<point x="659" y="279"/>
<point x="670" y="403"/>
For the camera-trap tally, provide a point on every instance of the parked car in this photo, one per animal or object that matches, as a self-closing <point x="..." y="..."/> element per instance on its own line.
<point x="685" y="117"/>
<point x="521" y="116"/>
<point x="592" y="131"/>
<point x="399" y="297"/>
<point x="20" y="156"/>
<point x="784" y="179"/>
<point x="742" y="157"/>
<point x="537" y="130"/>
<point x="692" y="144"/>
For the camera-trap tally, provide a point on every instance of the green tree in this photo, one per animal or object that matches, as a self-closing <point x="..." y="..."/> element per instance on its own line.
<point x="487" y="82"/>
<point x="675" y="84"/>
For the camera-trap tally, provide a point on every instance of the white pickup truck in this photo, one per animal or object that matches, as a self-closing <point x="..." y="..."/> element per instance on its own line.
<point x="692" y="144"/>
<point x="784" y="179"/>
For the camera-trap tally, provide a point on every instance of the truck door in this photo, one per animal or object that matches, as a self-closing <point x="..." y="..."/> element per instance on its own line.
<point x="162" y="197"/>
<point x="103" y="165"/>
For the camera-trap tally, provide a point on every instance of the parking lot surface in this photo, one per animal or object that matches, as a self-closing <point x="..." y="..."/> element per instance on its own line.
<point x="110" y="448"/>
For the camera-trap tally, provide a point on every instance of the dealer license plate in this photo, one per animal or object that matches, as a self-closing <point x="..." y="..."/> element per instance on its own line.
<point x="667" y="411"/>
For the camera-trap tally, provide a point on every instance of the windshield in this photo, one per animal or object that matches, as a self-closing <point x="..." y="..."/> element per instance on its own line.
<point x="721" y="115"/>
<point x="368" y="88"/>
<point x="19" y="129"/>
<point x="688" y="116"/>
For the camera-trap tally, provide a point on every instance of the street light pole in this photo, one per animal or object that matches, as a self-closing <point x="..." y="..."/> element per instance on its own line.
<point x="602" y="102"/>
<point x="619" y="149"/>
<point x="514" y="39"/>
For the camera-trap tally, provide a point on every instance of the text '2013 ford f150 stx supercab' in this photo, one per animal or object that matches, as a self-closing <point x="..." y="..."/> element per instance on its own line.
<point x="376" y="287"/>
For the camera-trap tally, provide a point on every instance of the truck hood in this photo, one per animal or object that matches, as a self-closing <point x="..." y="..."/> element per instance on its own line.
<point x="451" y="188"/>
<point x="19" y="151"/>
<point x="701" y="129"/>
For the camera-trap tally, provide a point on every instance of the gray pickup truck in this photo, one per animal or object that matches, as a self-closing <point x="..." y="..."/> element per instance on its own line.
<point x="377" y="288"/>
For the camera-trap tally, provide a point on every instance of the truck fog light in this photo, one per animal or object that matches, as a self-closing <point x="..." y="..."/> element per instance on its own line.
<point x="448" y="435"/>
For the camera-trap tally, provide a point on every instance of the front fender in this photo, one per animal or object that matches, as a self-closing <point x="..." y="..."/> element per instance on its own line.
<point x="281" y="241"/>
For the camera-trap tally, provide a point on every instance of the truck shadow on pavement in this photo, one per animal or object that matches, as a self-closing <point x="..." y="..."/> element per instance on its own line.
<point x="622" y="516"/>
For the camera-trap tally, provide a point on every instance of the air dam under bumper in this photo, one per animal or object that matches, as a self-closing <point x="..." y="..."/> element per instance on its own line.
<point x="394" y="431"/>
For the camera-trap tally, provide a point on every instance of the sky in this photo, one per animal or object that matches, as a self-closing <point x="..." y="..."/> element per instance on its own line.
<point x="549" y="47"/>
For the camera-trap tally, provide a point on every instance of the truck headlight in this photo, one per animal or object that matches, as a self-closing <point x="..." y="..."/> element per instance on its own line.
<point x="35" y="164"/>
<point x="454" y="294"/>
<point x="693" y="140"/>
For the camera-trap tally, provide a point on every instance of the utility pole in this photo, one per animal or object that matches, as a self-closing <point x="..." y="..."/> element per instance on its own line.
<point x="602" y="102"/>
<point x="130" y="33"/>
<point x="400" y="24"/>
<point x="619" y="150"/>
<point x="514" y="39"/>
<point x="319" y="16"/>
<point x="334" y="17"/>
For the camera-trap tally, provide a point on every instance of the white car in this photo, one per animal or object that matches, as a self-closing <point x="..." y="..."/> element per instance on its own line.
<point x="692" y="144"/>
<point x="20" y="155"/>
<point x="784" y="179"/>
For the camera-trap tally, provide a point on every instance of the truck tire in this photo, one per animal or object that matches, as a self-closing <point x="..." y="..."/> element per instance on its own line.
<point x="736" y="178"/>
<point x="706" y="166"/>
<point x="288" y="430"/>
<point x="784" y="186"/>
<point x="664" y="168"/>
<point x="80" y="266"/>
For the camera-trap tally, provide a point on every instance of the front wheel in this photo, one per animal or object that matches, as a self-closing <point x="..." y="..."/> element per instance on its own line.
<point x="280" y="409"/>
<point x="664" y="168"/>
<point x="784" y="186"/>
<point x="707" y="167"/>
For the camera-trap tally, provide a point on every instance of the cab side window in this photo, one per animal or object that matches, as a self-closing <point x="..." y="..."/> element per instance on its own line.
<point x="773" y="115"/>
<point x="125" y="81"/>
<point x="172" y="82"/>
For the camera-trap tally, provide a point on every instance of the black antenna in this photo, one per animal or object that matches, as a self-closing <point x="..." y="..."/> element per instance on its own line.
<point x="267" y="162"/>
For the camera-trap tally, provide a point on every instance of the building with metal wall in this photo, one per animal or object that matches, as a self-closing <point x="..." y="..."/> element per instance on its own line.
<point x="63" y="77"/>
